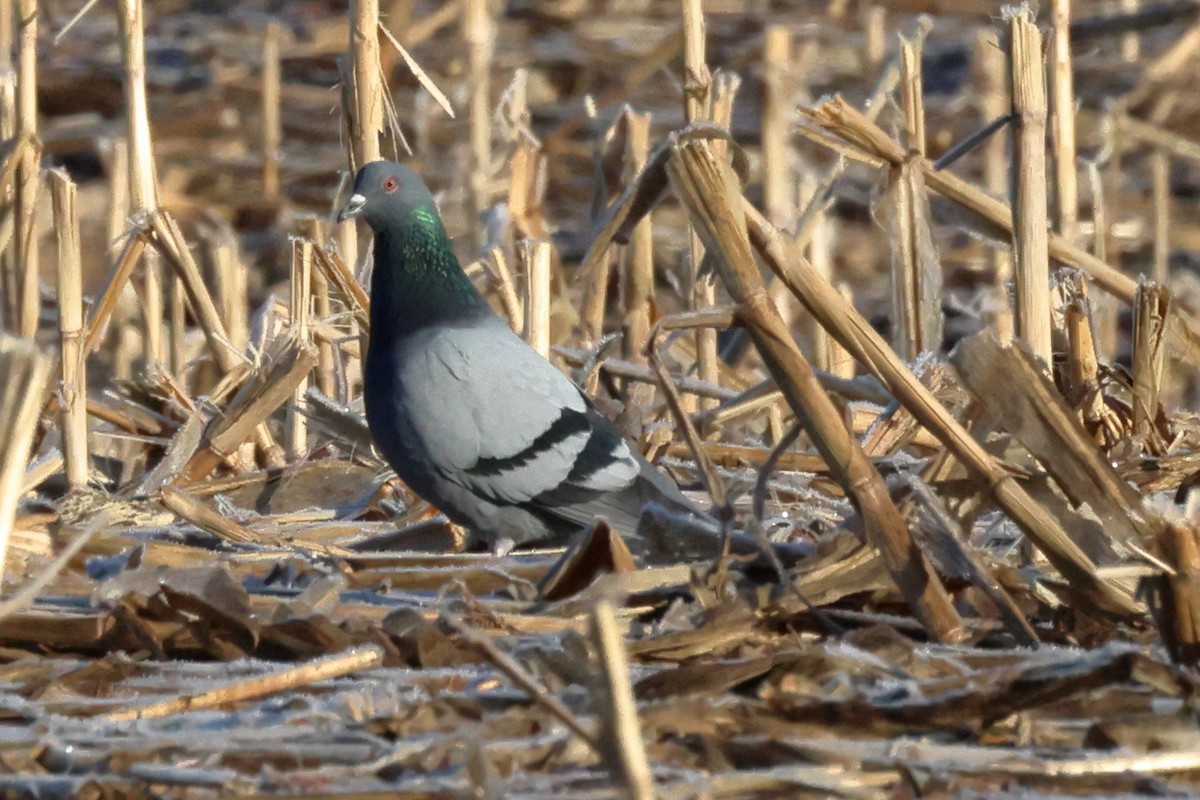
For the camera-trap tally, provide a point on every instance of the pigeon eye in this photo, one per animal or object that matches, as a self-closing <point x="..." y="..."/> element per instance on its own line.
<point x="390" y="184"/>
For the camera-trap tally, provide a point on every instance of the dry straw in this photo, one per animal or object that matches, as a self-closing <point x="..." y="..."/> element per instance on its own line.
<point x="479" y="33"/>
<point x="367" y="117"/>
<point x="993" y="100"/>
<point x="322" y="310"/>
<point x="912" y="93"/>
<point x="1177" y="592"/>
<point x="271" y="116"/>
<point x="638" y="264"/>
<point x="70" y="327"/>
<point x="624" y="747"/>
<point x="178" y="327"/>
<point x="1028" y="83"/>
<point x="960" y="444"/>
<point x="821" y="241"/>
<point x="322" y="669"/>
<point x="514" y="309"/>
<point x="299" y="309"/>
<point x="1151" y="310"/>
<point x="1160" y="177"/>
<point x="1062" y="88"/>
<point x="28" y="174"/>
<point x="874" y="27"/>
<point x="537" y="258"/>
<point x="709" y="191"/>
<point x="527" y="174"/>
<point x="916" y="268"/>
<point x="777" y="126"/>
<point x="853" y="134"/>
<point x="261" y="394"/>
<point x="26" y="369"/>
<point x="697" y="85"/>
<point x="853" y="332"/>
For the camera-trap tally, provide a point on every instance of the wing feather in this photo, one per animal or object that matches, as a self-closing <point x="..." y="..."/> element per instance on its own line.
<point x="497" y="418"/>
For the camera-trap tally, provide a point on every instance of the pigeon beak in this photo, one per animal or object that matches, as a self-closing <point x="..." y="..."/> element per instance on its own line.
<point x="353" y="207"/>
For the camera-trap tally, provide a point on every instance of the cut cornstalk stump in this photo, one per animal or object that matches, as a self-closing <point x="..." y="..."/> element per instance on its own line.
<point x="1151" y="313"/>
<point x="70" y="326"/>
<point x="28" y="175"/>
<point x="1027" y="78"/>
<point x="1177" y="593"/>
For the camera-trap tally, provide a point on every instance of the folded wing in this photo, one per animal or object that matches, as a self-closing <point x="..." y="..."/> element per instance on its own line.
<point x="498" y="419"/>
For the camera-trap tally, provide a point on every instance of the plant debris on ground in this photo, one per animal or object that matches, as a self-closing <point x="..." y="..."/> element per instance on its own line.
<point x="926" y="344"/>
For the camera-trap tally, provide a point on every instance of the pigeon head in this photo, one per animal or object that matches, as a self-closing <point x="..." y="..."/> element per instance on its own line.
<point x="385" y="194"/>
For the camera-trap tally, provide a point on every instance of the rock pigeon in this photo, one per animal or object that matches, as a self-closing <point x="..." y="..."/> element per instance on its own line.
<point x="467" y="414"/>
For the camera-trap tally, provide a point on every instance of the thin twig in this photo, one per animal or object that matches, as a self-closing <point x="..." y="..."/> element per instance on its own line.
<point x="321" y="669"/>
<point x="523" y="679"/>
<point x="629" y="751"/>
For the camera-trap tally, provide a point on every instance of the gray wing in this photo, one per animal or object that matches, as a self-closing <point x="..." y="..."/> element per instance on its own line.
<point x="497" y="418"/>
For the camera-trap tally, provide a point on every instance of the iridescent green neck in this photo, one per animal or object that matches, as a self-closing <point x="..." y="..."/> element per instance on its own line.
<point x="417" y="280"/>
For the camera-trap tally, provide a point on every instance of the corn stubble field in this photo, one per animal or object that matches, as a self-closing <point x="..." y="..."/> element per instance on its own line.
<point x="719" y="218"/>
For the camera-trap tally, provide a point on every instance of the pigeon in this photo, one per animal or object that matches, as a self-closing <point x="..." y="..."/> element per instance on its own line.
<point x="471" y="417"/>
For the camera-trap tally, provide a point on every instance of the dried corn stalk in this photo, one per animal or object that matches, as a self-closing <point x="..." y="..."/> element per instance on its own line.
<point x="26" y="370"/>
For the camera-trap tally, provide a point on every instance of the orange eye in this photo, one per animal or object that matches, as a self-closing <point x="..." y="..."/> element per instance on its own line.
<point x="390" y="184"/>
